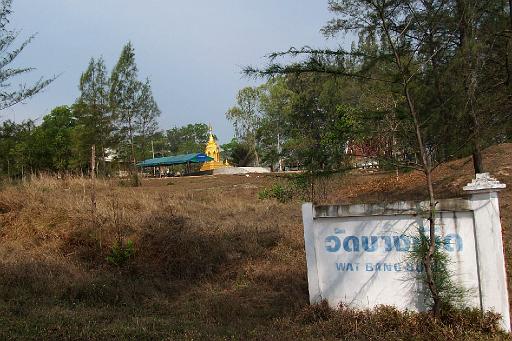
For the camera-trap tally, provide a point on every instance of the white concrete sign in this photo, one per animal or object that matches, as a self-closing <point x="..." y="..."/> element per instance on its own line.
<point x="359" y="255"/>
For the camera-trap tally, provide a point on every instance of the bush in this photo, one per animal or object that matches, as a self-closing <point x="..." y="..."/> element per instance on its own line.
<point x="120" y="253"/>
<point x="276" y="191"/>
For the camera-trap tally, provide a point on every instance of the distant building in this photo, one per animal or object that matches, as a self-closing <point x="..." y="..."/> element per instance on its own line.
<point x="213" y="151"/>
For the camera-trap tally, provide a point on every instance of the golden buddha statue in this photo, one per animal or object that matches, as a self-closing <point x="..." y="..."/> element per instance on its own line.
<point x="213" y="151"/>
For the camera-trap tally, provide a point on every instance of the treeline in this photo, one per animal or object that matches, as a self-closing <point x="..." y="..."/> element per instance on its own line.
<point x="440" y="71"/>
<point x="116" y="113"/>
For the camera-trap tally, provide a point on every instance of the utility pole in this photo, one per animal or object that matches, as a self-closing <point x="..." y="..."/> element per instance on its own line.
<point x="153" y="152"/>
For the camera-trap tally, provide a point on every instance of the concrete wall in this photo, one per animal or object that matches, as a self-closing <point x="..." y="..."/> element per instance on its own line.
<point x="360" y="254"/>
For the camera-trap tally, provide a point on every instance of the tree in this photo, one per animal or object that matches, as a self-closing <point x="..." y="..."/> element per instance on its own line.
<point x="238" y="153"/>
<point x="93" y="113"/>
<point x="146" y="115"/>
<point x="8" y="95"/>
<point x="53" y="139"/>
<point x="191" y="138"/>
<point x="132" y="103"/>
<point x="393" y="20"/>
<point x="246" y="116"/>
<point x="17" y="146"/>
<point x="484" y="36"/>
<point x="415" y="54"/>
<point x="124" y="96"/>
<point x="276" y="105"/>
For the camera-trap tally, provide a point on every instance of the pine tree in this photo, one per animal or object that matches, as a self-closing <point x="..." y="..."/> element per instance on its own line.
<point x="124" y="96"/>
<point x="93" y="112"/>
<point x="146" y="115"/>
<point x="8" y="95"/>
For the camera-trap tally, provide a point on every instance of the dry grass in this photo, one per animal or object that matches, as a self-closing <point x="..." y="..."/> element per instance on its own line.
<point x="211" y="260"/>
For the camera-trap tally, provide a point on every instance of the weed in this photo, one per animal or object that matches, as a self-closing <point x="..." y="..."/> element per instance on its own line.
<point x="277" y="191"/>
<point x="120" y="254"/>
<point x="451" y="294"/>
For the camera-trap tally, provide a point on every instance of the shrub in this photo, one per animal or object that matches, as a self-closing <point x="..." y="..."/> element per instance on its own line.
<point x="120" y="253"/>
<point x="276" y="191"/>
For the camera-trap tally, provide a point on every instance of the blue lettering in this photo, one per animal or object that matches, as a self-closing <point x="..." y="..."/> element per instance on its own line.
<point x="355" y="244"/>
<point x="402" y="243"/>
<point x="344" y="267"/>
<point x="374" y="243"/>
<point x="451" y="243"/>
<point x="388" y="267"/>
<point x="387" y="240"/>
<point x="332" y="244"/>
<point x="398" y="267"/>
<point x="448" y="242"/>
<point x="369" y="267"/>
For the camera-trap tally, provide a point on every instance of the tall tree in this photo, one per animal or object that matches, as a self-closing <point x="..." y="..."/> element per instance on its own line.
<point x="276" y="105"/>
<point x="93" y="113"/>
<point x="146" y="115"/>
<point x="246" y="116"/>
<point x="124" y="96"/>
<point x="410" y="46"/>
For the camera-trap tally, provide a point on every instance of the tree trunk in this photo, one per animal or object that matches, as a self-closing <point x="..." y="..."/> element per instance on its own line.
<point x="279" y="151"/>
<point x="427" y="168"/>
<point x="470" y="70"/>
<point x="477" y="159"/>
<point x="93" y="161"/>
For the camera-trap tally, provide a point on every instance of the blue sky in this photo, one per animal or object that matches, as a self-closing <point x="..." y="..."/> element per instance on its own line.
<point x="193" y="51"/>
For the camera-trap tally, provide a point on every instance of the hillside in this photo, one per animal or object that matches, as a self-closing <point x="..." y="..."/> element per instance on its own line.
<point x="209" y="259"/>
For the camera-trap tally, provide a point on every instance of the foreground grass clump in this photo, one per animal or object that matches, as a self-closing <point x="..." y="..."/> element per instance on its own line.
<point x="387" y="323"/>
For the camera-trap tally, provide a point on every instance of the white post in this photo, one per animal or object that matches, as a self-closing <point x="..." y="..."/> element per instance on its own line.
<point x="315" y="295"/>
<point x="489" y="243"/>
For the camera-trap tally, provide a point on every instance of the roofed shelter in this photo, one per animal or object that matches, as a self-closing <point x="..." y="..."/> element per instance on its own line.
<point x="183" y="159"/>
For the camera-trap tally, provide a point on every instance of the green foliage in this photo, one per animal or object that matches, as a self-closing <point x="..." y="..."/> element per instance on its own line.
<point x="94" y="120"/>
<point x="117" y="114"/>
<point x="132" y="104"/>
<point x="120" y="254"/>
<point x="191" y="138"/>
<point x="452" y="295"/>
<point x="246" y="117"/>
<point x="277" y="191"/>
<point x="240" y="154"/>
<point x="54" y="138"/>
<point x="301" y="185"/>
<point x="13" y="95"/>
<point x="452" y="57"/>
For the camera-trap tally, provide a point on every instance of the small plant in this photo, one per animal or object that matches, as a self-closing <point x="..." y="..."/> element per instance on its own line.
<point x="451" y="294"/>
<point x="276" y="191"/>
<point x="120" y="254"/>
<point x="135" y="180"/>
<point x="301" y="185"/>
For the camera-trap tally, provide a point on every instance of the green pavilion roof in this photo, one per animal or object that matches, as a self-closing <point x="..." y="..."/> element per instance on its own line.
<point x="175" y="160"/>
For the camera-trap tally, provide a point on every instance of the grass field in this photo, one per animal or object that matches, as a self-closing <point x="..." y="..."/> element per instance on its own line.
<point x="210" y="260"/>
